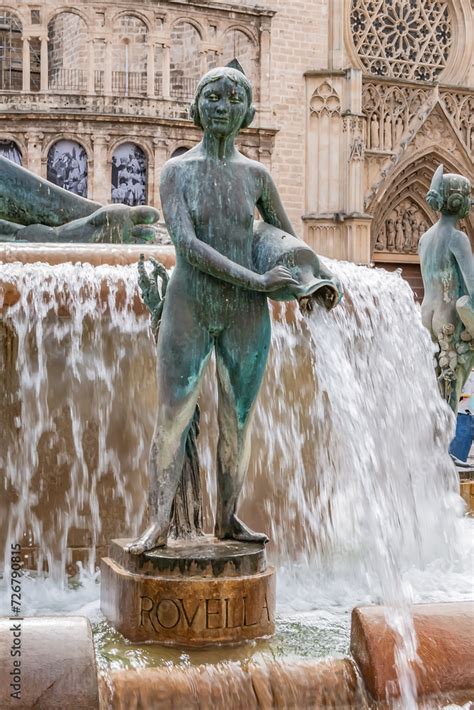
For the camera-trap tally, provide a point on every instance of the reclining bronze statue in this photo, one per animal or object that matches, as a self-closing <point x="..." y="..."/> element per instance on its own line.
<point x="447" y="267"/>
<point x="34" y="210"/>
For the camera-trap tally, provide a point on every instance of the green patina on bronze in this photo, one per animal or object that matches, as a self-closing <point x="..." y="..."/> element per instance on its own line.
<point x="447" y="267"/>
<point x="35" y="210"/>
<point x="217" y="299"/>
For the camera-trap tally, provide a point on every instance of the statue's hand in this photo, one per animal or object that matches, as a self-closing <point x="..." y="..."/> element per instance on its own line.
<point x="276" y="278"/>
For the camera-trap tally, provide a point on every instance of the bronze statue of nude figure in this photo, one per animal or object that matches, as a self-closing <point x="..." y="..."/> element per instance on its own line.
<point x="216" y="299"/>
<point x="447" y="267"/>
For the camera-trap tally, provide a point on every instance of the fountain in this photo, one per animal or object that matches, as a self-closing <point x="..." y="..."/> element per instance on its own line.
<point x="74" y="338"/>
<point x="349" y="474"/>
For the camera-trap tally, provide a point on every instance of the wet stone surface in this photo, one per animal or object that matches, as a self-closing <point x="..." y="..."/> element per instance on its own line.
<point x="203" y="557"/>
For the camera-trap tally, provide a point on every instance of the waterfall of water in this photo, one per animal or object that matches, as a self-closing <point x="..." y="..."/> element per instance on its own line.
<point x="349" y="467"/>
<point x="369" y="483"/>
<point x="70" y="440"/>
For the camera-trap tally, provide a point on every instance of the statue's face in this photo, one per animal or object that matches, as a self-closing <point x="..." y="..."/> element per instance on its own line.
<point x="222" y="106"/>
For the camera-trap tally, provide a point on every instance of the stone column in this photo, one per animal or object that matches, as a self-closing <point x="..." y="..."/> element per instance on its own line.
<point x="90" y="67"/>
<point x="357" y="224"/>
<point x="203" y="61"/>
<point x="102" y="179"/>
<point x="265" y="70"/>
<point x="336" y="58"/>
<point x="161" y="156"/>
<point x="353" y="90"/>
<point x="150" y="70"/>
<point x="108" y="68"/>
<point x="166" y="71"/>
<point x="34" y="148"/>
<point x="354" y="148"/>
<point x="26" y="64"/>
<point x="44" y="84"/>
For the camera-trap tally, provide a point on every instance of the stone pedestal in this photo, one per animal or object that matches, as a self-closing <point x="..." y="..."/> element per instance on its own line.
<point x="190" y="593"/>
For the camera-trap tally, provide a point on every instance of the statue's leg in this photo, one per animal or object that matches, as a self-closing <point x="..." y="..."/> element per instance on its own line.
<point x="241" y="355"/>
<point x="183" y="350"/>
<point x="26" y="198"/>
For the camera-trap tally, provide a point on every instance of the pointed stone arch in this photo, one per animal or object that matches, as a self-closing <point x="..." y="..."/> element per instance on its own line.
<point x="403" y="198"/>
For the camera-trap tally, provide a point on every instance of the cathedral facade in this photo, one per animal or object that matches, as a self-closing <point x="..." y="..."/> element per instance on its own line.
<point x="357" y="102"/>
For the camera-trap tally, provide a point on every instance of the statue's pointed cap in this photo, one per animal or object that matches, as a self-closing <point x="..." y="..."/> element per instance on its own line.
<point x="437" y="180"/>
<point x="435" y="196"/>
<point x="235" y="64"/>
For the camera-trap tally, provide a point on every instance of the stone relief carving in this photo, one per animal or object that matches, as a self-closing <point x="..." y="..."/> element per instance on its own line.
<point x="325" y="99"/>
<point x="402" y="229"/>
<point x="408" y="39"/>
<point x="390" y="110"/>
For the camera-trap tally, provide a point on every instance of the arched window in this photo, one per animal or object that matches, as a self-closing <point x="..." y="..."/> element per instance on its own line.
<point x="10" y="150"/>
<point x="11" y="52"/>
<point x="179" y="151"/>
<point x="238" y="46"/>
<point x="185" y="67"/>
<point x="129" y="56"/>
<point x="67" y="52"/>
<point x="67" y="166"/>
<point x="129" y="175"/>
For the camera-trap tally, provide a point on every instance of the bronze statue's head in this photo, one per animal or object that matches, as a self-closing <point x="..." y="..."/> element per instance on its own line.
<point x="449" y="193"/>
<point x="234" y="73"/>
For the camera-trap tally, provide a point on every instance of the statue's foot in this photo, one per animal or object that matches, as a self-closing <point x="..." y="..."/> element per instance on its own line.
<point x="154" y="536"/>
<point x="235" y="529"/>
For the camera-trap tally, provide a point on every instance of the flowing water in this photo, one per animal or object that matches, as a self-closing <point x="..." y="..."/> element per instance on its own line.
<point x="349" y="470"/>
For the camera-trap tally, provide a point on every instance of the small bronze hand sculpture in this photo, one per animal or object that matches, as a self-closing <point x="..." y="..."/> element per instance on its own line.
<point x="447" y="267"/>
<point x="35" y="210"/>
<point x="216" y="299"/>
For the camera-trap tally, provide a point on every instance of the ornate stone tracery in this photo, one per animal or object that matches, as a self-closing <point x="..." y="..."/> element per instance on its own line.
<point x="325" y="99"/>
<point x="409" y="39"/>
<point x="460" y="107"/>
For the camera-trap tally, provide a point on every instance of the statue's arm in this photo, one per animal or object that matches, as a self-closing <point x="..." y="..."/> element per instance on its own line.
<point x="196" y="252"/>
<point x="270" y="205"/>
<point x="460" y="247"/>
<point x="271" y="208"/>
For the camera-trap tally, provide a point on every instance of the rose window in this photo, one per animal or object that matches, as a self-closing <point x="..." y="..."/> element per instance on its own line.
<point x="409" y="39"/>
